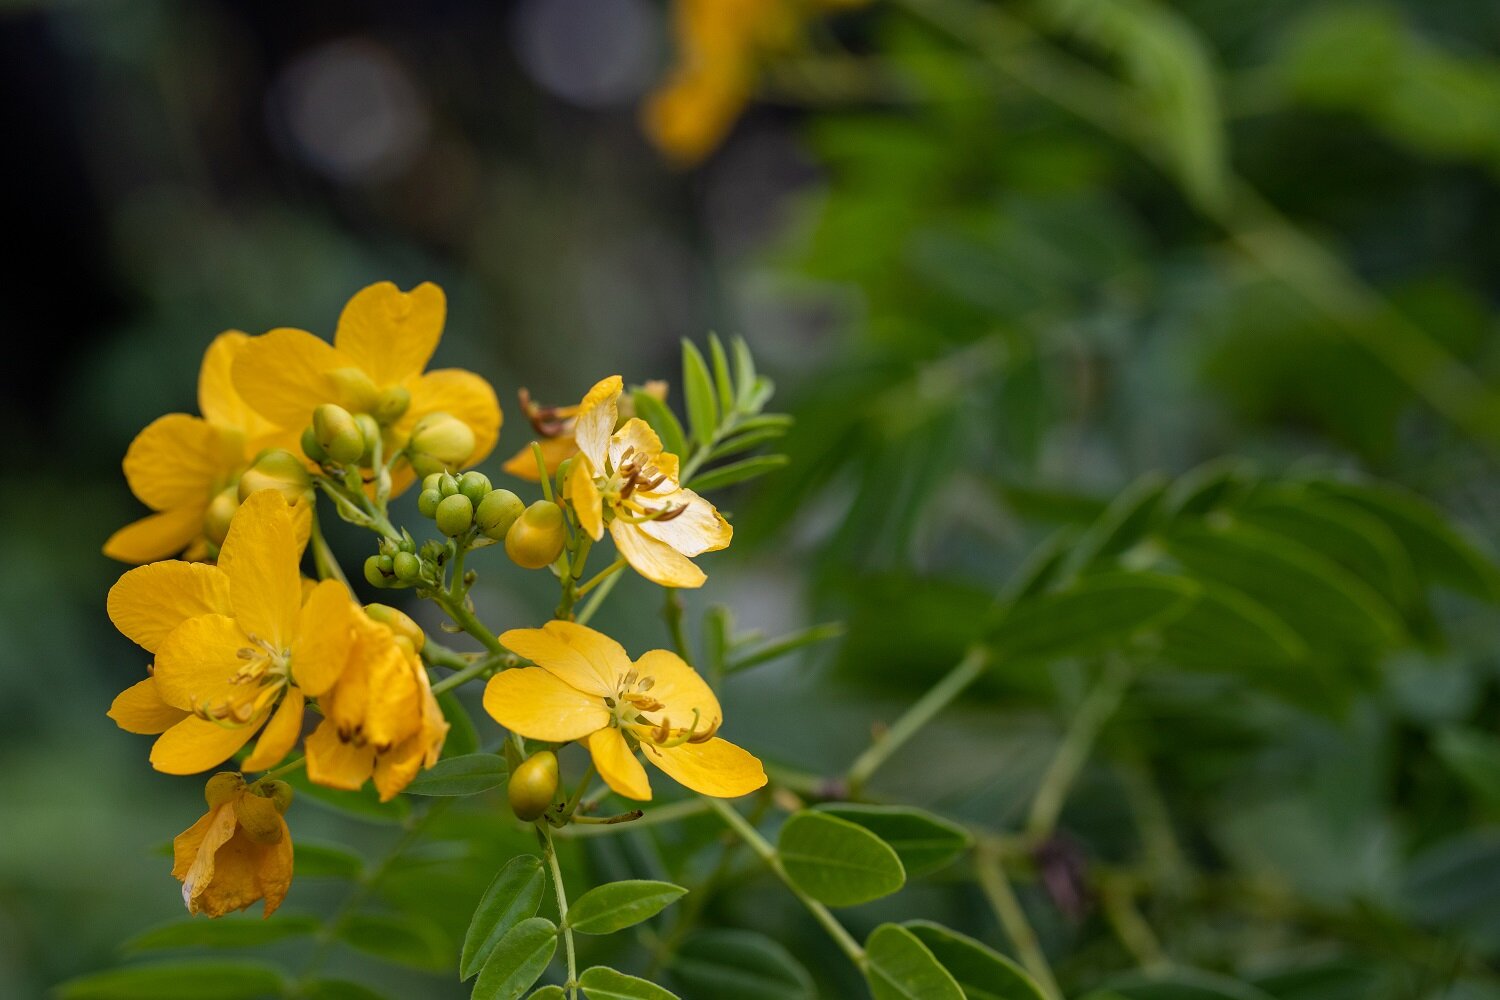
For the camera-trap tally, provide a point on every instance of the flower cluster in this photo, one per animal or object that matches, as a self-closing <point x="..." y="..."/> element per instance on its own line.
<point x="250" y="658"/>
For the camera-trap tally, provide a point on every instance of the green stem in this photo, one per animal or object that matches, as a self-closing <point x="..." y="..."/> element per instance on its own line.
<point x="922" y="711"/>
<point x="478" y="668"/>
<point x="573" y="800"/>
<point x="324" y="561"/>
<point x="464" y="619"/>
<point x="284" y="769"/>
<point x="541" y="470"/>
<point x="598" y="596"/>
<point x="656" y="817"/>
<point x="997" y="889"/>
<point x="1077" y="744"/>
<point x="601" y="576"/>
<point x="751" y="836"/>
<point x="562" y="906"/>
<point x="672" y="612"/>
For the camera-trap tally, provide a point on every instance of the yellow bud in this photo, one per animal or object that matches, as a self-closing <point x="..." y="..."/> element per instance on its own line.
<point x="338" y="434"/>
<point x="259" y="818"/>
<point x="220" y="511"/>
<point x="537" y="537"/>
<point x="279" y="470"/>
<point x="398" y="622"/>
<point x="222" y="787"/>
<point x="392" y="404"/>
<point x="533" y="785"/>
<point x="440" y="442"/>
<point x="355" y="389"/>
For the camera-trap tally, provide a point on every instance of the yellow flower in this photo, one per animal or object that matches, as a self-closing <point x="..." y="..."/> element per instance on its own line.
<point x="374" y="366"/>
<point x="380" y="718"/>
<point x="720" y="45"/>
<point x="584" y="687"/>
<point x="626" y="482"/>
<point x="554" y="430"/>
<point x="230" y="641"/>
<point x="238" y="853"/>
<point x="180" y="464"/>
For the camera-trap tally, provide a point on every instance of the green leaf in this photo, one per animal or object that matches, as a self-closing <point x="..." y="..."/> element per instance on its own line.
<point x="744" y="373"/>
<point x="364" y="804"/>
<point x="615" y="905"/>
<point x="982" y="973"/>
<point x="338" y="989"/>
<point x="1096" y="613"/>
<point x="901" y="967"/>
<point x="765" y="421"/>
<point x="178" y="981"/>
<point x="723" y="379"/>
<point x="513" y="896"/>
<point x="604" y="983"/>
<point x="1474" y="756"/>
<point x="1124" y="523"/>
<point x="739" y="965"/>
<point x="744" y="442"/>
<point x="467" y="775"/>
<point x="462" y="737"/>
<point x="718" y="636"/>
<point x="838" y="862"/>
<point x="698" y="394"/>
<point x="1206" y="487"/>
<point x="737" y="472"/>
<point x="1180" y="984"/>
<point x="922" y="841"/>
<point x="520" y="957"/>
<point x="662" y="420"/>
<point x="549" y="993"/>
<point x="317" y="860"/>
<point x="404" y="939"/>
<point x="227" y="932"/>
<point x="789" y="643"/>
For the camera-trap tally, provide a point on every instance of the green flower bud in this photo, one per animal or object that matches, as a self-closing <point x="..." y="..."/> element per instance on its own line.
<point x="497" y="512"/>
<point x="533" y="785"/>
<point x="310" y="446"/>
<point x="439" y="442"/>
<point x="338" y="434"/>
<point x="387" y="564"/>
<point x="222" y="787"/>
<point x="398" y="622"/>
<point x="407" y="567"/>
<point x="356" y="389"/>
<point x="280" y="794"/>
<point x="373" y="573"/>
<point x="431" y="482"/>
<point x="392" y="404"/>
<point x="220" y="511"/>
<point x="427" y="502"/>
<point x="447" y="485"/>
<point x="537" y="537"/>
<point x="369" y="431"/>
<point x="259" y="818"/>
<point x="475" y="486"/>
<point x="454" y="515"/>
<point x="279" y="470"/>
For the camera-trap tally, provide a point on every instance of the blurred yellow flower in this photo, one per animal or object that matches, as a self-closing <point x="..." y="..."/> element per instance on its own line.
<point x="380" y="718"/>
<point x="238" y="853"/>
<point x="624" y="481"/>
<point x="554" y="430"/>
<point x="720" y="45"/>
<point x="230" y="640"/>
<point x="584" y="687"/>
<point x="186" y="468"/>
<point x="383" y="341"/>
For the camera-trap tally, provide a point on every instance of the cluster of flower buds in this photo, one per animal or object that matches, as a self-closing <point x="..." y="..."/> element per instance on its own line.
<point x="469" y="505"/>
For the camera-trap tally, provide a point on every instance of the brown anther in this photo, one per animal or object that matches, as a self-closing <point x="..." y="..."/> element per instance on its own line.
<point x="664" y="731"/>
<point x="245" y="653"/>
<point x="704" y="737"/>
<point x="669" y="513"/>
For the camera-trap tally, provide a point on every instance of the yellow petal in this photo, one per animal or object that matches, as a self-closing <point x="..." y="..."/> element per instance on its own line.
<point x="378" y="695"/>
<point x="459" y="393"/>
<point x="655" y="560"/>
<point x="581" y="657"/>
<point x="588" y="505"/>
<point x="688" y="117"/>
<point x="532" y="702"/>
<point x="335" y="764"/>
<point x="636" y="437"/>
<point x="260" y="557"/>
<point x="717" y="768"/>
<point x="596" y="419"/>
<point x="196" y="744"/>
<point x="389" y="333"/>
<point x="618" y="766"/>
<point x="148" y="602"/>
<point x="218" y="401"/>
<point x="283" y="376"/>
<point x="193" y="851"/>
<point x="325" y="634"/>
<point x="698" y="529"/>
<point x="159" y="536"/>
<point x="140" y="709"/>
<point x="279" y="736"/>
<point x="274" y="870"/>
<point x="196" y="665"/>
<point x="680" y="689"/>
<point x="555" y="451"/>
<point x="179" y="461"/>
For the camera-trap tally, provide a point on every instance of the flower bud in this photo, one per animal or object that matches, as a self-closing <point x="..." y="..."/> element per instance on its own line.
<point x="222" y="787"/>
<point x="392" y="404"/>
<point x="369" y="431"/>
<point x="374" y="575"/>
<point x="338" y="434"/>
<point x="280" y="794"/>
<point x="220" y="512"/>
<point x="440" y="441"/>
<point x="310" y="446"/>
<point x="497" y="512"/>
<point x="406" y="566"/>
<point x="533" y="785"/>
<point x="259" y="818"/>
<point x="431" y="482"/>
<point x="454" y="515"/>
<point x="427" y="502"/>
<point x="474" y="485"/>
<point x="537" y="536"/>
<point x="278" y="470"/>
<point x="398" y="622"/>
<point x="355" y="389"/>
<point x="447" y="485"/>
